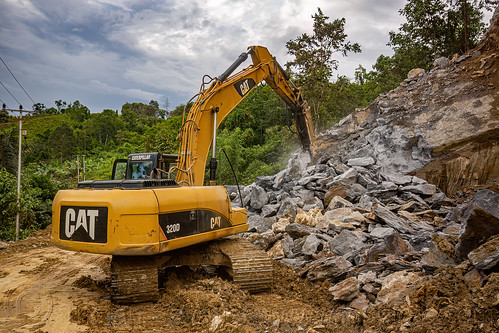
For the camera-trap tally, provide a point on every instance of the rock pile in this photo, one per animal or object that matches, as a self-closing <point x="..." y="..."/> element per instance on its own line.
<point x="368" y="233"/>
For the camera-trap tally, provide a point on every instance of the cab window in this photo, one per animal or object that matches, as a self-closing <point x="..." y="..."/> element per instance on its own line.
<point x="141" y="169"/>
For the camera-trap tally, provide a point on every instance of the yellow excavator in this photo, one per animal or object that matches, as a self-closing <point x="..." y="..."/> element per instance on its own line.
<point x="147" y="220"/>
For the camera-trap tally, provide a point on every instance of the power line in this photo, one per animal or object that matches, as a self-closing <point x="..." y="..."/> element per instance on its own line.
<point x="10" y="93"/>
<point x="17" y="81"/>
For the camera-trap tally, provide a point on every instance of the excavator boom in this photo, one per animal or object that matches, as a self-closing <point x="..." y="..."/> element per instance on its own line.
<point x="216" y="101"/>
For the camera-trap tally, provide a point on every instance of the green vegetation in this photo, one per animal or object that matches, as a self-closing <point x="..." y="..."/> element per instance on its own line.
<point x="36" y="202"/>
<point x="313" y="66"/>
<point x="257" y="136"/>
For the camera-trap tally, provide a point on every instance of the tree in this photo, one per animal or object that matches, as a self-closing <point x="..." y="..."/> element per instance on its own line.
<point x="468" y="12"/>
<point x="62" y="142"/>
<point x="386" y="75"/>
<point x="154" y="103"/>
<point x="163" y="136"/>
<point x="179" y="110"/>
<point x="103" y="127"/>
<point x="8" y="150"/>
<point x="36" y="204"/>
<point x="39" y="108"/>
<point x="4" y="116"/>
<point x="141" y="109"/>
<point x="313" y="61"/>
<point x="433" y="29"/>
<point x="60" y="104"/>
<point x="261" y="109"/>
<point x="78" y="112"/>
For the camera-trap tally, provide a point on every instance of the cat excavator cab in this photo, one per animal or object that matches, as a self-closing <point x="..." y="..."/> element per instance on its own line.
<point x="155" y="211"/>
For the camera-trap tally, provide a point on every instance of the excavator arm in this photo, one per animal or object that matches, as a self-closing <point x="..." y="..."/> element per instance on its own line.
<point x="214" y="103"/>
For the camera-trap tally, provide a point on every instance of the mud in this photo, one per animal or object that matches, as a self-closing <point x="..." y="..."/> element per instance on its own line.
<point x="45" y="289"/>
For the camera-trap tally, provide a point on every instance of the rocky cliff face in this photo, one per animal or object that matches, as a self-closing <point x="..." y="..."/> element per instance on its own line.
<point x="442" y="126"/>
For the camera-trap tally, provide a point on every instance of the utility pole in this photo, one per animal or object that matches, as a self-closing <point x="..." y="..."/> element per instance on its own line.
<point x="20" y="110"/>
<point x="78" y="165"/>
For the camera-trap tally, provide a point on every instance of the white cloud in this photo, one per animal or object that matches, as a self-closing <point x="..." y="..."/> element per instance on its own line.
<point x="107" y="52"/>
<point x="131" y="93"/>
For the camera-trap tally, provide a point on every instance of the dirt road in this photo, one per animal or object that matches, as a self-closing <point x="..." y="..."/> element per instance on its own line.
<point x="36" y="285"/>
<point x="45" y="289"/>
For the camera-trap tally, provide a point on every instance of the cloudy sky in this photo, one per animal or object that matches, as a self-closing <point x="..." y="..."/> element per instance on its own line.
<point x="105" y="53"/>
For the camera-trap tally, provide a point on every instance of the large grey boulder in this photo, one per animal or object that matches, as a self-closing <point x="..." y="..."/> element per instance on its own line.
<point x="297" y="165"/>
<point x="346" y="242"/>
<point x="259" y="224"/>
<point x="480" y="220"/>
<point x="256" y="197"/>
<point x="288" y="208"/>
<point x="311" y="245"/>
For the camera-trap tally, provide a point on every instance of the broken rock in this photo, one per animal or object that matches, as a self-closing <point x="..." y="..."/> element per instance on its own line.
<point x="424" y="189"/>
<point x="381" y="232"/>
<point x="345" y="242"/>
<point x="339" y="202"/>
<point x="441" y="252"/>
<point x="257" y="197"/>
<point x="331" y="268"/>
<point x="398" y="179"/>
<point x="280" y="225"/>
<point x="480" y="220"/>
<point x="276" y="251"/>
<point x="392" y="244"/>
<point x="311" y="245"/>
<point x="486" y="256"/>
<point x="347" y="178"/>
<point x="361" y="161"/>
<point x="297" y="230"/>
<point x="396" y="285"/>
<point x="392" y="220"/>
<point x="360" y="303"/>
<point x="346" y="290"/>
<point x="310" y="218"/>
<point x="259" y="224"/>
<point x="288" y="208"/>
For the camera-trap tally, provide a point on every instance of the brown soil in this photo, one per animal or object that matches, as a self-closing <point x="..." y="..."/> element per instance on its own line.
<point x="45" y="289"/>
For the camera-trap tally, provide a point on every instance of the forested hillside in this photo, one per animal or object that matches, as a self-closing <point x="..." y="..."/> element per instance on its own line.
<point x="257" y="136"/>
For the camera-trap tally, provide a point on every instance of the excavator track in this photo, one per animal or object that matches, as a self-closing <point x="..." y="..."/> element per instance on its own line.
<point x="250" y="268"/>
<point x="134" y="279"/>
